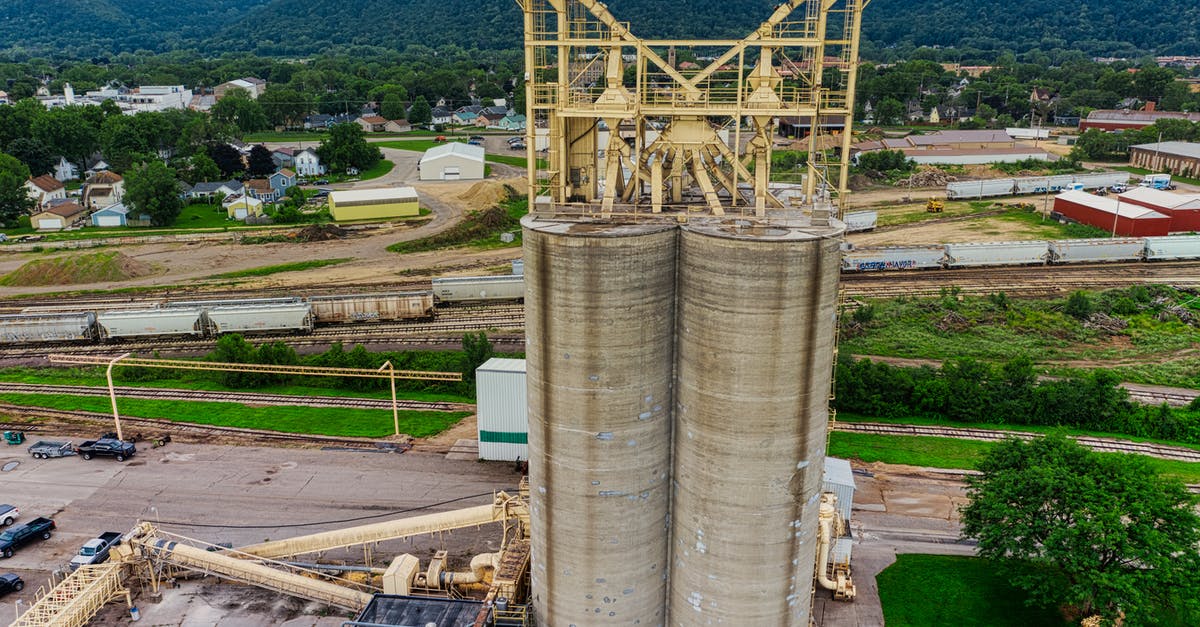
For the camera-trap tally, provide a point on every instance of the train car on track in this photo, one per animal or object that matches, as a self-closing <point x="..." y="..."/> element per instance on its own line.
<point x="859" y="221"/>
<point x="479" y="289"/>
<point x="893" y="258"/>
<point x="257" y="318"/>
<point x="47" y="327"/>
<point x="1102" y="249"/>
<point x="371" y="307"/>
<point x="177" y="322"/>
<point x="227" y="302"/>
<point x="1172" y="248"/>
<point x="996" y="254"/>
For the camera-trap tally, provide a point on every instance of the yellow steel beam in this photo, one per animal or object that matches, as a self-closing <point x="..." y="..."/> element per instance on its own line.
<point x="313" y="371"/>
<point x="76" y="599"/>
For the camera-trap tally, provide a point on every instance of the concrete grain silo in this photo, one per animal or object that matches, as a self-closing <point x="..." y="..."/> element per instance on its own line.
<point x="755" y="333"/>
<point x="599" y="322"/>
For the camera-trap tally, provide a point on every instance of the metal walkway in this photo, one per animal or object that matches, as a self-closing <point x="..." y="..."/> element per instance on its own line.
<point x="77" y="599"/>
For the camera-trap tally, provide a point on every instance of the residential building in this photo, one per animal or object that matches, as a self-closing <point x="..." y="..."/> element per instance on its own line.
<point x="511" y="123"/>
<point x="397" y="126"/>
<point x="103" y="189"/>
<point x="262" y="190"/>
<point x="308" y="163"/>
<point x="1120" y="218"/>
<point x="319" y="120"/>
<point x="253" y="86"/>
<point x="58" y="216"/>
<point x="374" y="204"/>
<point x="281" y="181"/>
<point x="1123" y="119"/>
<point x="211" y="190"/>
<point x="117" y="214"/>
<point x="372" y="123"/>
<point x="4" y="98"/>
<point x="464" y="118"/>
<point x="441" y="115"/>
<point x="65" y="170"/>
<point x="240" y="207"/>
<point x="1178" y="158"/>
<point x="284" y="157"/>
<point x="452" y="161"/>
<point x="42" y="189"/>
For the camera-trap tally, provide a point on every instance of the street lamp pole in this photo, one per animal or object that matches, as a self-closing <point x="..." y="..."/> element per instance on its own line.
<point x="1116" y="214"/>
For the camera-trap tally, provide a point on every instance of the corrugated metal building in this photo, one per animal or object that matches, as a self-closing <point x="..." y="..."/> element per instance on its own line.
<point x="838" y="477"/>
<point x="1184" y="209"/>
<point x="501" y="410"/>
<point x="452" y="161"/>
<point x="1178" y="158"/>
<point x="1112" y="215"/>
<point x="374" y="204"/>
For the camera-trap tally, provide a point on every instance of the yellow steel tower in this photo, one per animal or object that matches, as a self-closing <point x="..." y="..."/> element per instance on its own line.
<point x="617" y="125"/>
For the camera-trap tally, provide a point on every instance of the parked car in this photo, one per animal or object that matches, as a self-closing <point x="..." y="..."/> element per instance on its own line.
<point x="17" y="537"/>
<point x="111" y="447"/>
<point x="44" y="449"/>
<point x="516" y="146"/>
<point x="516" y="140"/>
<point x="95" y="551"/>
<point x="10" y="582"/>
<point x="8" y="513"/>
<point x="476" y="138"/>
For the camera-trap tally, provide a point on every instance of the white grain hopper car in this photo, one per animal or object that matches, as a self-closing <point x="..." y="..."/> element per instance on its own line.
<point x="205" y="304"/>
<point x="371" y="307"/>
<point x="1098" y="249"/>
<point x="1172" y="247"/>
<point x="996" y="254"/>
<point x="860" y="221"/>
<point x="979" y="189"/>
<point x="255" y="318"/>
<point x="893" y="258"/>
<point x="151" y="322"/>
<point x="46" y="327"/>
<point x="479" y="289"/>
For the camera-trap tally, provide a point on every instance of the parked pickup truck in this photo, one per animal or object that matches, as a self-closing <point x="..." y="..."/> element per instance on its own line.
<point x="17" y="537"/>
<point x="8" y="513"/>
<point x="47" y="448"/>
<point x="95" y="551"/>
<point x="106" y="446"/>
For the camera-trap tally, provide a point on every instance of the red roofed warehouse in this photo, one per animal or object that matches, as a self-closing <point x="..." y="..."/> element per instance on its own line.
<point x="1121" y="119"/>
<point x="1184" y="209"/>
<point x="1124" y="218"/>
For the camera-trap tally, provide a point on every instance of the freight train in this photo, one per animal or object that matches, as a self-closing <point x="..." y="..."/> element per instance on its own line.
<point x="1028" y="253"/>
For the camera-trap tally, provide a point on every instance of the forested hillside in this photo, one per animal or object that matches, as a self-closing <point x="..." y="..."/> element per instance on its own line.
<point x="966" y="30"/>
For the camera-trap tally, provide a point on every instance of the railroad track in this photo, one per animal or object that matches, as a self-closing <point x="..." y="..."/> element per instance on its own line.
<point x="53" y="421"/>
<point x="1106" y="445"/>
<point x="171" y="394"/>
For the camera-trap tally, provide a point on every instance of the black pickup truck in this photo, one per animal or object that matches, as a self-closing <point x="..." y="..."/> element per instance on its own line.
<point x="17" y="537"/>
<point x="111" y="447"/>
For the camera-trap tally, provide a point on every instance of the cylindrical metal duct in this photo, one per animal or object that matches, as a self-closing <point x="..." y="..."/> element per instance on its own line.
<point x="599" y="302"/>
<point x="756" y="309"/>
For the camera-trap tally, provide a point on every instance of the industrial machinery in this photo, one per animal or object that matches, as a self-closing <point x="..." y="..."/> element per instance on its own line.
<point x="935" y="206"/>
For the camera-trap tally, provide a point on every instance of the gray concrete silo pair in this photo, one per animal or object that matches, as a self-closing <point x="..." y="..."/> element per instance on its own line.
<point x="678" y="401"/>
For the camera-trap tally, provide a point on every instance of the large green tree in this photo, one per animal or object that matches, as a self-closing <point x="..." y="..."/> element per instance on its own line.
<point x="392" y="107"/>
<point x="69" y="132"/>
<point x="237" y="108"/>
<point x="421" y="112"/>
<point x="347" y="147"/>
<point x="1105" y="534"/>
<point x="34" y="154"/>
<point x="151" y="188"/>
<point x="14" y="198"/>
<point x="285" y="107"/>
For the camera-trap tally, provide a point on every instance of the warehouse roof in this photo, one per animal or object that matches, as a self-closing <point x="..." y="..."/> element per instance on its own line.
<point x="390" y="609"/>
<point x="1161" y="198"/>
<point x="499" y="364"/>
<point x="1173" y="149"/>
<point x="382" y="194"/>
<point x="1109" y="205"/>
<point x="1125" y="115"/>
<point x="454" y="148"/>
<point x="838" y="472"/>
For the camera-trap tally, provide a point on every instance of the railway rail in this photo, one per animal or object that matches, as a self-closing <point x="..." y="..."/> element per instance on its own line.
<point x="171" y="394"/>
<point x="1106" y="445"/>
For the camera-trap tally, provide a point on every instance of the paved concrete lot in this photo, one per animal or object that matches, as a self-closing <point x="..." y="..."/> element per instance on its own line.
<point x="243" y="495"/>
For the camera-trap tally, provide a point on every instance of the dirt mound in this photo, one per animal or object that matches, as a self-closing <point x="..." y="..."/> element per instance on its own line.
<point x="485" y="194"/>
<point x="320" y="233"/>
<point x="104" y="267"/>
<point x="926" y="178"/>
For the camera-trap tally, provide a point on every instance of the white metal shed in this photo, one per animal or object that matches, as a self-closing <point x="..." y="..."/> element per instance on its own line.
<point x="501" y="410"/>
<point x="452" y="161"/>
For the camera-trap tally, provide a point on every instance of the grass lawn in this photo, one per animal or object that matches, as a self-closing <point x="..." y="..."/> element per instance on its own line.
<point x="383" y="167"/>
<point x="201" y="215"/>
<point x="954" y="454"/>
<point x="283" y="267"/>
<point x="370" y="423"/>
<point x="194" y="218"/>
<point x="954" y="591"/>
<point x="190" y="380"/>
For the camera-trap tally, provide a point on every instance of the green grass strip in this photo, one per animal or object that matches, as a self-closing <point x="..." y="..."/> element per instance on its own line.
<point x="283" y="267"/>
<point x="367" y="423"/>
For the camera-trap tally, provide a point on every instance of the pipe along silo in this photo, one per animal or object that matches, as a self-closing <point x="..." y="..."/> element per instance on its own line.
<point x="599" y="306"/>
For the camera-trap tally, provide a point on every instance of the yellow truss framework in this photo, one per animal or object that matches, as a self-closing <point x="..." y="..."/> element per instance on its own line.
<point x="77" y="598"/>
<point x="679" y="153"/>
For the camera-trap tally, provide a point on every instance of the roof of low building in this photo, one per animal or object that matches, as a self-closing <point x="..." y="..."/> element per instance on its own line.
<point x="453" y="148"/>
<point x="382" y="194"/>
<point x="1110" y="205"/>
<point x="1128" y="115"/>
<point x="46" y="183"/>
<point x="118" y="208"/>
<point x="65" y="209"/>
<point x="501" y="364"/>
<point x="374" y="119"/>
<point x="286" y="172"/>
<point x="260" y="185"/>
<point x="1160" y="198"/>
<point x="1174" y="149"/>
<point x="286" y="150"/>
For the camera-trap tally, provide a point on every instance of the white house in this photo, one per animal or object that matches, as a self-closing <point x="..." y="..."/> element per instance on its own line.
<point x="65" y="170"/>
<point x="452" y="161"/>
<point x="307" y="163"/>
<point x="42" y="189"/>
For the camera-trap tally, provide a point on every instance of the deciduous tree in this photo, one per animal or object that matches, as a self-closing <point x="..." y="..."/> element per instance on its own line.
<point x="14" y="198"/>
<point x="151" y="188"/>
<point x="259" y="162"/>
<point x="347" y="147"/>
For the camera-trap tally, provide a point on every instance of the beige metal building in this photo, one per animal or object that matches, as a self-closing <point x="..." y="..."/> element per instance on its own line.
<point x="1178" y="158"/>
<point x="501" y="410"/>
<point x="374" y="204"/>
<point x="452" y="161"/>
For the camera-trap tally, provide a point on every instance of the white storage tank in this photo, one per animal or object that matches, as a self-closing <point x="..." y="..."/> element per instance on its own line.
<point x="501" y="411"/>
<point x="1097" y="249"/>
<point x="151" y="322"/>
<point x="997" y="254"/>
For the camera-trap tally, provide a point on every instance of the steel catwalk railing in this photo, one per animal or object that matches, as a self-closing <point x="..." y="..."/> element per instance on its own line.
<point x="76" y="599"/>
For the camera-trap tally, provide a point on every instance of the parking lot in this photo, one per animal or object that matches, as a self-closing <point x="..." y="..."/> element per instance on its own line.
<point x="237" y="495"/>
